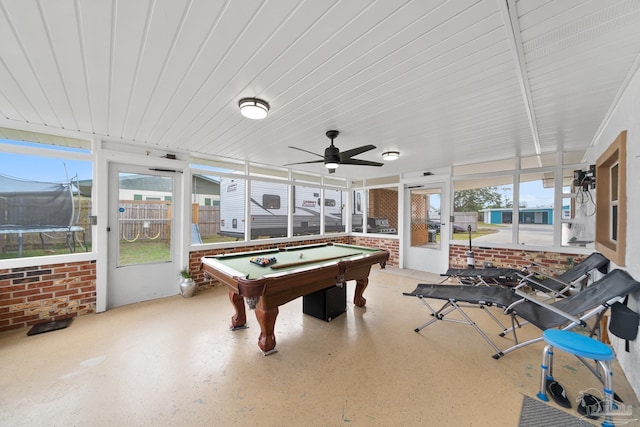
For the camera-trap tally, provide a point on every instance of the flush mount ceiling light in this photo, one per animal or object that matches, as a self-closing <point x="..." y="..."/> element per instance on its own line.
<point x="254" y="108"/>
<point x="390" y="155"/>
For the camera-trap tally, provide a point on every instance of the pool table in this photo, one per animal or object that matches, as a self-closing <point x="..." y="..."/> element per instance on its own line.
<point x="297" y="271"/>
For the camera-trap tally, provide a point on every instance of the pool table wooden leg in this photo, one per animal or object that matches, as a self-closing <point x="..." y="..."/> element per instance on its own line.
<point x="267" y="321"/>
<point x="239" y="320"/>
<point x="361" y="285"/>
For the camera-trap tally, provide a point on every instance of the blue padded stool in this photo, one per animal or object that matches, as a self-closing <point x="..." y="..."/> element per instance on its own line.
<point x="581" y="346"/>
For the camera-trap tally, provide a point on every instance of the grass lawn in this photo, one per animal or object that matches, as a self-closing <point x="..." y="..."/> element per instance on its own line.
<point x="29" y="252"/>
<point x="483" y="230"/>
<point x="144" y="251"/>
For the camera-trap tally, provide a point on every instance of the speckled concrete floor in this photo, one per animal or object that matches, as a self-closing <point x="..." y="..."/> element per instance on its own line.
<point x="173" y="362"/>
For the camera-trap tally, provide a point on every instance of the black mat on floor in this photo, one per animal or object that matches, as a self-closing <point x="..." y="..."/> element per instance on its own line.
<point x="53" y="325"/>
<point x="536" y="413"/>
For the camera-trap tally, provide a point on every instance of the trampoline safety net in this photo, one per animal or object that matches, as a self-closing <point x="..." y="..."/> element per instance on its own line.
<point x="28" y="204"/>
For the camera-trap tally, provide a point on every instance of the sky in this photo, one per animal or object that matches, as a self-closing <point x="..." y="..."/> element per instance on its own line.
<point x="533" y="195"/>
<point x="45" y="169"/>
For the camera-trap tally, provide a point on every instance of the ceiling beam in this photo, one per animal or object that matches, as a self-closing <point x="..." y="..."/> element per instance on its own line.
<point x="509" y="13"/>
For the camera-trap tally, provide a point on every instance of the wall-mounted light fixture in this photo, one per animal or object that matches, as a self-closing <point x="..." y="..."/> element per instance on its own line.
<point x="390" y="155"/>
<point x="254" y="108"/>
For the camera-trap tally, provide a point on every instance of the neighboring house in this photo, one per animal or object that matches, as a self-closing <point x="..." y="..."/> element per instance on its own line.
<point x="527" y="216"/>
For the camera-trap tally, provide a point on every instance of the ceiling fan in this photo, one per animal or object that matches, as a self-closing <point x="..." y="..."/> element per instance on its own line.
<point x="333" y="157"/>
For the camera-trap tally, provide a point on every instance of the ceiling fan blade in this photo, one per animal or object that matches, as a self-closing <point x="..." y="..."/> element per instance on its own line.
<point x="304" y="163"/>
<point x="332" y="171"/>
<point x="355" y="151"/>
<point x="306" y="151"/>
<point x="359" y="162"/>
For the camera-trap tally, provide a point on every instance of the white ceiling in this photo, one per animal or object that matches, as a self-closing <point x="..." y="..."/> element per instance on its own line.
<point x="444" y="82"/>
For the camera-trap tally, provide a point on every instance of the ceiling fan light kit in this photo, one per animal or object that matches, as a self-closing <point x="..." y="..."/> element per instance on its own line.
<point x="390" y="155"/>
<point x="331" y="165"/>
<point x="253" y="108"/>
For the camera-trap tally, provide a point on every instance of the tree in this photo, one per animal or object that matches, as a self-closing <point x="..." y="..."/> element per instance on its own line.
<point x="476" y="199"/>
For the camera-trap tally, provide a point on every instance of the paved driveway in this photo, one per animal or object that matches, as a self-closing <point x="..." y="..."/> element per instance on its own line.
<point x="530" y="234"/>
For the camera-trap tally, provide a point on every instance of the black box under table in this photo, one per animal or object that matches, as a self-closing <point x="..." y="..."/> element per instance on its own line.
<point x="326" y="304"/>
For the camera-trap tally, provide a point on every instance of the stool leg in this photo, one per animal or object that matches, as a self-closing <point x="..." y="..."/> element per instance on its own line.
<point x="608" y="393"/>
<point x="547" y="361"/>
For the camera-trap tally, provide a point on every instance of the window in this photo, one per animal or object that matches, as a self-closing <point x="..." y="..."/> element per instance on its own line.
<point x="269" y="209"/>
<point x="306" y="210"/>
<point x="226" y="221"/>
<point x="379" y="206"/>
<point x="357" y="209"/>
<point x="426" y="208"/>
<point x="382" y="215"/>
<point x="611" y="197"/>
<point x="334" y="205"/>
<point x="578" y="203"/>
<point x="271" y="201"/>
<point x="485" y="204"/>
<point x="536" y="207"/>
<point x="613" y="202"/>
<point x="278" y="199"/>
<point x="490" y="202"/>
<point x="217" y="204"/>
<point x="45" y="199"/>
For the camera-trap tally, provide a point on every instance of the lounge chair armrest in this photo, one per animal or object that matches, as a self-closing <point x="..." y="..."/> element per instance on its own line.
<point x="538" y="284"/>
<point x="546" y="276"/>
<point x="508" y="309"/>
<point x="550" y="307"/>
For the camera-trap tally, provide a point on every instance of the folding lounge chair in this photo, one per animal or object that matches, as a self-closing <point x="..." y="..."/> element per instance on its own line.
<point x="566" y="313"/>
<point x="569" y="312"/>
<point x="458" y="297"/>
<point x="558" y="285"/>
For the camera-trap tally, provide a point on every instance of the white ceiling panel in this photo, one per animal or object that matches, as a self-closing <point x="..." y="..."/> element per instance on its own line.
<point x="577" y="55"/>
<point x="94" y="25"/>
<point x="446" y="83"/>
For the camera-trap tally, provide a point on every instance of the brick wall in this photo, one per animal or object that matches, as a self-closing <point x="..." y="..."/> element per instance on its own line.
<point x="392" y="245"/>
<point x="512" y="258"/>
<point x="32" y="295"/>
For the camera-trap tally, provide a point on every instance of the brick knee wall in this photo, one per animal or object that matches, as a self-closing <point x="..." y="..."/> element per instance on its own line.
<point x="512" y="258"/>
<point x="392" y="245"/>
<point x="32" y="295"/>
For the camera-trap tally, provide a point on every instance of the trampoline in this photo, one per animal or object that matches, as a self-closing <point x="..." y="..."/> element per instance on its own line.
<point x="39" y="207"/>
